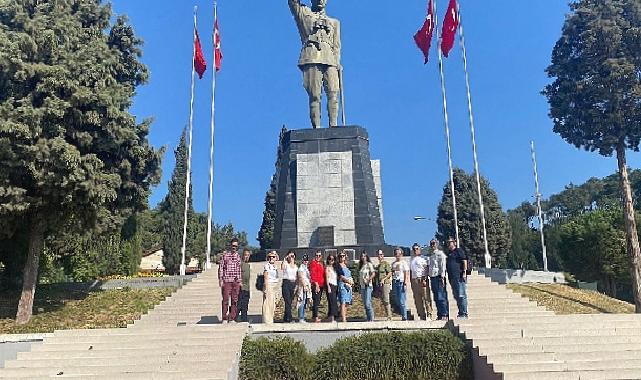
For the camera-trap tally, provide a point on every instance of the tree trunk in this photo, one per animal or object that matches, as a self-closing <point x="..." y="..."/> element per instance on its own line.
<point x="631" y="237"/>
<point x="30" y="274"/>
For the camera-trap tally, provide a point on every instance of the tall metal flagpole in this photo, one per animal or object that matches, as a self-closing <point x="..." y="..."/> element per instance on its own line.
<point x="488" y="258"/>
<point x="183" y="267"/>
<point x="447" y="130"/>
<point x="538" y="207"/>
<point x="211" y="145"/>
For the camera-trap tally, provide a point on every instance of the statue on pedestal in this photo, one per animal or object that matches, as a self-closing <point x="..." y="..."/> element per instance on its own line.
<point x="320" y="57"/>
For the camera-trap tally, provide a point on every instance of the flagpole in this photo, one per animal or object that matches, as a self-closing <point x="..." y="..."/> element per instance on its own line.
<point x="211" y="146"/>
<point x="488" y="258"/>
<point x="538" y="208"/>
<point x="183" y="267"/>
<point x="447" y="130"/>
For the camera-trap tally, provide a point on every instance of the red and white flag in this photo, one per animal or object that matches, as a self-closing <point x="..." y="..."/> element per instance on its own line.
<point x="423" y="37"/>
<point x="218" y="53"/>
<point x="450" y="25"/>
<point x="200" y="64"/>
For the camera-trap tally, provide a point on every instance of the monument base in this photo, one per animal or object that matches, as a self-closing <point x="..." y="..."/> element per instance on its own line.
<point x="327" y="191"/>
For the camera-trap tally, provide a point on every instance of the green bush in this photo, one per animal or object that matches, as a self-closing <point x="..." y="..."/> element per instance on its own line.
<point x="396" y="355"/>
<point x="374" y="356"/>
<point x="275" y="358"/>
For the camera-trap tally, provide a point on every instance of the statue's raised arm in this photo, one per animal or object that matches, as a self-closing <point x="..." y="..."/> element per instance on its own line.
<point x="320" y="56"/>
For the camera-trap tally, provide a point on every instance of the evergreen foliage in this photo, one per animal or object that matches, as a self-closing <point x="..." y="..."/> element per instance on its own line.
<point x="71" y="152"/>
<point x="596" y="91"/>
<point x="469" y="219"/>
<point x="173" y="209"/>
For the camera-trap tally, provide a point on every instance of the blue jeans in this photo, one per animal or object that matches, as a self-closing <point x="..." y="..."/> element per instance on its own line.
<point x="398" y="287"/>
<point x="301" y="308"/>
<point x="366" y="296"/>
<point x="440" y="297"/>
<point x="459" y="290"/>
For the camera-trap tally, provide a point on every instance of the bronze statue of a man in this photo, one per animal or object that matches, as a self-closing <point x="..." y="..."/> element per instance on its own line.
<point x="320" y="57"/>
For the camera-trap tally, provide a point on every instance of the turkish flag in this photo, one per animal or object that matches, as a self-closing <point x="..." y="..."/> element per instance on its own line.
<point x="423" y="37"/>
<point x="450" y="25"/>
<point x="200" y="65"/>
<point x="218" y="53"/>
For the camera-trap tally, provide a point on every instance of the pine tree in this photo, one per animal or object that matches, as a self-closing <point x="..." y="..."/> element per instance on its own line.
<point x="70" y="151"/>
<point x="173" y="209"/>
<point x="469" y="219"/>
<point x="594" y="99"/>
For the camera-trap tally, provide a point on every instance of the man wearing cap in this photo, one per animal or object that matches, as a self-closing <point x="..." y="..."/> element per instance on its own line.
<point x="317" y="276"/>
<point x="457" y="276"/>
<point x="420" y="286"/>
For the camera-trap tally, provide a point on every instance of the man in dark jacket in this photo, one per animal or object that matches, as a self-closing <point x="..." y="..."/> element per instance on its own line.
<point x="457" y="263"/>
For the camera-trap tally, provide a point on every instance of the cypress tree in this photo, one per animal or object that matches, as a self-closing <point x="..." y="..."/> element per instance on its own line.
<point x="469" y="219"/>
<point x="173" y="209"/>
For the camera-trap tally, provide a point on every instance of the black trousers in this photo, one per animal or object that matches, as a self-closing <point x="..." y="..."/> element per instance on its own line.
<point x="332" y="300"/>
<point x="243" y="305"/>
<point x="288" y="296"/>
<point x="316" y="298"/>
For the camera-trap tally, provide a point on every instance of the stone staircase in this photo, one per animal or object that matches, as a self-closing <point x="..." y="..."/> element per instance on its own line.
<point x="176" y="340"/>
<point x="513" y="338"/>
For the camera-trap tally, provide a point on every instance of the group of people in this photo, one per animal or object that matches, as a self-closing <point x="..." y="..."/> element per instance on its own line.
<point x="427" y="275"/>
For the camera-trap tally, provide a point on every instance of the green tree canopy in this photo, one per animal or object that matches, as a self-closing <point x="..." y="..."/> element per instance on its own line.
<point x="595" y="96"/>
<point x="469" y="218"/>
<point x="71" y="152"/>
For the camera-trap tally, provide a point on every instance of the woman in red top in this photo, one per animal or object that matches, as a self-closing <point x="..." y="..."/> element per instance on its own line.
<point x="317" y="275"/>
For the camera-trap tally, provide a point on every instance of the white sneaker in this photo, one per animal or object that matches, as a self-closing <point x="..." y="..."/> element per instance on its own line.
<point x="302" y="321"/>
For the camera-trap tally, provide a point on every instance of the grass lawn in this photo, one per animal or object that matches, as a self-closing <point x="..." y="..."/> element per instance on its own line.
<point x="563" y="299"/>
<point x="57" y="308"/>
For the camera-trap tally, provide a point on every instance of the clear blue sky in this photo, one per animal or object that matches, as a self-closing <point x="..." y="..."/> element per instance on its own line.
<point x="388" y="90"/>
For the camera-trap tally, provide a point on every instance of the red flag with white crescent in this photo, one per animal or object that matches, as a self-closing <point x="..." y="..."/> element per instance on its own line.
<point x="450" y="25"/>
<point x="423" y="37"/>
<point x="200" y="64"/>
<point x="218" y="52"/>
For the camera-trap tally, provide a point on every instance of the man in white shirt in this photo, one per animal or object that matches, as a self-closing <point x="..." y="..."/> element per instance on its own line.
<point x="420" y="285"/>
<point x="400" y="278"/>
<point x="437" y="272"/>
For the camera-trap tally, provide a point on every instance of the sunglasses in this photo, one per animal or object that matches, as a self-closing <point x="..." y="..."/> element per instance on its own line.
<point x="234" y="246"/>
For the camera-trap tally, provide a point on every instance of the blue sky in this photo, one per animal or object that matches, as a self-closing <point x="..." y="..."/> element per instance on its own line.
<point x="388" y="90"/>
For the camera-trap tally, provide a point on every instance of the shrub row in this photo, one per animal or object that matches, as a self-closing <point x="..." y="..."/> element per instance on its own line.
<point x="381" y="356"/>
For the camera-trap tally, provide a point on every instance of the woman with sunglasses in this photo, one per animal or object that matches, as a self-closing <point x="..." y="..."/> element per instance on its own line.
<point x="332" y="288"/>
<point x="344" y="285"/>
<point x="270" y="285"/>
<point x="366" y="274"/>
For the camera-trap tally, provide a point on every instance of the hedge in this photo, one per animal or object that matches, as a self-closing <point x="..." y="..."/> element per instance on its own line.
<point x="275" y="358"/>
<point x="373" y="356"/>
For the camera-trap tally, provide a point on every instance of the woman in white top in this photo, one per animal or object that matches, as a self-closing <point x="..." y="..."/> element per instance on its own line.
<point x="270" y="275"/>
<point x="303" y="288"/>
<point x="366" y="274"/>
<point x="331" y="278"/>
<point x="400" y="279"/>
<point x="289" y="270"/>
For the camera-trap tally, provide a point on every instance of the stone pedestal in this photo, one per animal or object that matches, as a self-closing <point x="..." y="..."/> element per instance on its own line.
<point x="325" y="184"/>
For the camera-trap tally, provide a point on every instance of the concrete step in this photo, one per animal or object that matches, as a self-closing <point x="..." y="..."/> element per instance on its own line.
<point x="556" y="340"/>
<point x="158" y="360"/>
<point x="596" y="365"/>
<point x="550" y="326"/>
<point x="139" y="345"/>
<point x="116" y="372"/>
<point x="598" y="349"/>
<point x="238" y="327"/>
<point x="125" y="352"/>
<point x="147" y="337"/>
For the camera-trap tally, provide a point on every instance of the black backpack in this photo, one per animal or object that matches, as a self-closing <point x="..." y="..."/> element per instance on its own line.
<point x="260" y="282"/>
